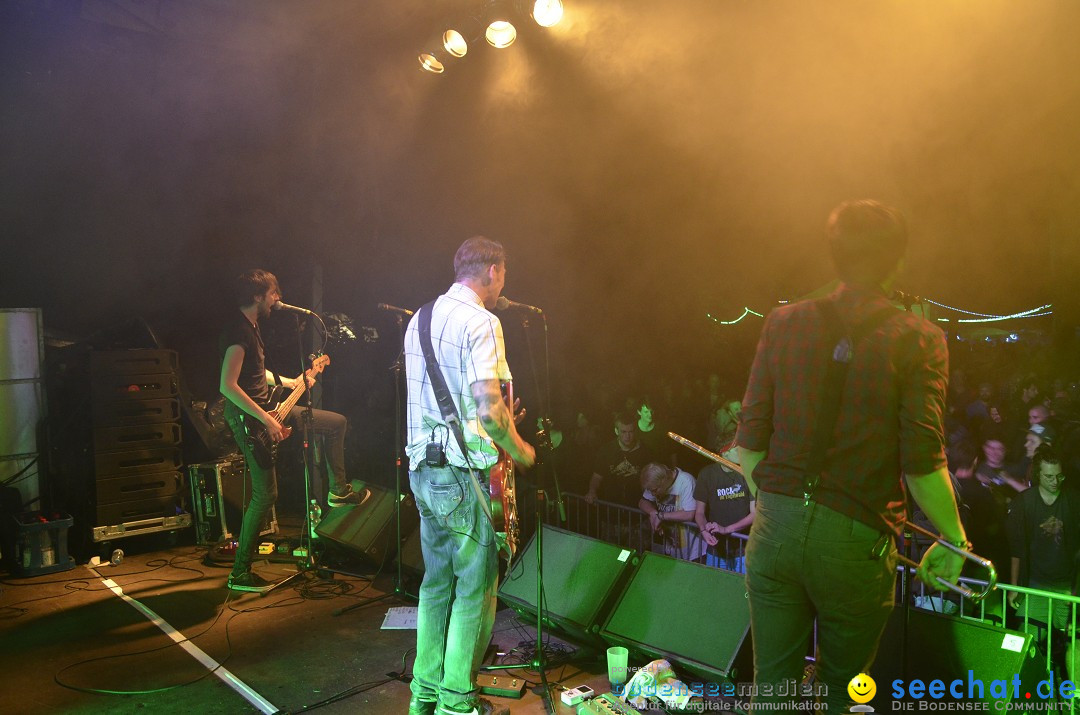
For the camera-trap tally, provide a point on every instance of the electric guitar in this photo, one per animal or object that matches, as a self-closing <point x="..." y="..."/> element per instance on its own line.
<point x="263" y="448"/>
<point x="504" y="515"/>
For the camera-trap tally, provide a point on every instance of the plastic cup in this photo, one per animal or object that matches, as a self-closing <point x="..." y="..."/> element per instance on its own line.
<point x="617" y="657"/>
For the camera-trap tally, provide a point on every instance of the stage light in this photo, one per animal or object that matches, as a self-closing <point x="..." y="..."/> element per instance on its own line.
<point x="500" y="34"/>
<point x="449" y="45"/>
<point x="430" y="63"/>
<point x="455" y="43"/>
<point x="547" y="13"/>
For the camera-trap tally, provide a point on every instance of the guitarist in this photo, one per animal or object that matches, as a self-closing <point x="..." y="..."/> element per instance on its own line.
<point x="457" y="598"/>
<point x="245" y="385"/>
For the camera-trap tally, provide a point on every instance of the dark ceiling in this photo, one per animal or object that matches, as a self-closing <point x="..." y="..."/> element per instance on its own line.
<point x="644" y="162"/>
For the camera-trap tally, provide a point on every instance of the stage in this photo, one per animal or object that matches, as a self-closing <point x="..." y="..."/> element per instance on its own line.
<point x="159" y="632"/>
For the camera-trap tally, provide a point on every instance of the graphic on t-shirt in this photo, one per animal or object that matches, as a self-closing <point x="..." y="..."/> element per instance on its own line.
<point x="1053" y="528"/>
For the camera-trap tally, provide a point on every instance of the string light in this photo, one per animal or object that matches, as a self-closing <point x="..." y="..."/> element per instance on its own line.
<point x="746" y="312"/>
<point x="1041" y="311"/>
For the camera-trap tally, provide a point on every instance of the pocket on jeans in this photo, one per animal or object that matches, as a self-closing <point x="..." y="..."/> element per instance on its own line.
<point x="857" y="579"/>
<point x="450" y="504"/>
<point x="763" y="571"/>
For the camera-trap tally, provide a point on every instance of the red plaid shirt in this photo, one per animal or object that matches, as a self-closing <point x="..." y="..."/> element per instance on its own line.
<point x="891" y="414"/>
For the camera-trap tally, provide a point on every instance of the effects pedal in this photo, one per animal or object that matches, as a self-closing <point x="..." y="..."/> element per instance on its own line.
<point x="504" y="686"/>
<point x="577" y="695"/>
<point x="606" y="704"/>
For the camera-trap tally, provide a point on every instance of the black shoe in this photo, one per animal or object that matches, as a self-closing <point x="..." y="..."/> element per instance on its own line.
<point x="250" y="582"/>
<point x="349" y="497"/>
<point x="421" y="707"/>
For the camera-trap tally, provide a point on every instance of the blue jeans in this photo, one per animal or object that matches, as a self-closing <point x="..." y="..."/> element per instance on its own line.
<point x="811" y="562"/>
<point x="457" y="598"/>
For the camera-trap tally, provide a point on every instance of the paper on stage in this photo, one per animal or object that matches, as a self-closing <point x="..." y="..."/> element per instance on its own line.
<point x="400" y="618"/>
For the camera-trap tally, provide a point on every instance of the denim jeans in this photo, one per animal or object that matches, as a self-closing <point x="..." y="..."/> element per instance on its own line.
<point x="807" y="562"/>
<point x="264" y="490"/>
<point x="457" y="598"/>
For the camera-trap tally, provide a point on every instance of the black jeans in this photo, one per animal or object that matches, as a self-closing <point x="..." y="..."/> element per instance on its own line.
<point x="330" y="425"/>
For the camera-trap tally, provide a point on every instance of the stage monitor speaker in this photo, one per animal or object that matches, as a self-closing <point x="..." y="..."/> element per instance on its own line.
<point x="946" y="648"/>
<point x="582" y="577"/>
<point x="695" y="616"/>
<point x="369" y="528"/>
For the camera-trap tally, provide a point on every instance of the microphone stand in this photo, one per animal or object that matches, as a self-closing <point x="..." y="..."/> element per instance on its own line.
<point x="538" y="663"/>
<point x="306" y="417"/>
<point x="310" y="562"/>
<point x="398" y="368"/>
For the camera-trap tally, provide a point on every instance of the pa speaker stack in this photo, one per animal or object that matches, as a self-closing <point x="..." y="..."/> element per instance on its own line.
<point x="138" y="478"/>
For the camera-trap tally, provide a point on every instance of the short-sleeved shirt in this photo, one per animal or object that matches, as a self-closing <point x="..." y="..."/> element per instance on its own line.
<point x="468" y="344"/>
<point x="1045" y="538"/>
<point x="240" y="331"/>
<point x="725" y="494"/>
<point x="684" y="543"/>
<point x="891" y="412"/>
<point x="621" y="470"/>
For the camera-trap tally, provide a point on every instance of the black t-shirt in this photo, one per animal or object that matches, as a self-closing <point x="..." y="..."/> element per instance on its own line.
<point x="726" y="496"/>
<point x="621" y="472"/>
<point x="252" y="379"/>
<point x="1044" y="537"/>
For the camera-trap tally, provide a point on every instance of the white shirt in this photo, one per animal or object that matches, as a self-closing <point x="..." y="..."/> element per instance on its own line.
<point x="468" y="344"/>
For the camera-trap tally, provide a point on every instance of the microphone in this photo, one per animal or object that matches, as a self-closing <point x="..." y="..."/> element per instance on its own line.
<point x="285" y="306"/>
<point x="393" y="308"/>
<point x="504" y="303"/>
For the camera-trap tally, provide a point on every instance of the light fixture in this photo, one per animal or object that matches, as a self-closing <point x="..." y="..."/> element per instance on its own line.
<point x="494" y="19"/>
<point x="547" y="13"/>
<point x="500" y="33"/>
<point x="452" y="44"/>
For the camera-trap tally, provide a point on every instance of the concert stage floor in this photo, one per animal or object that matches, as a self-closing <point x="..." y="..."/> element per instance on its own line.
<point x="162" y="633"/>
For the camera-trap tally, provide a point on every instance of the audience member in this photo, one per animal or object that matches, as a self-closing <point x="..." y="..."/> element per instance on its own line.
<point x="724" y="506"/>
<point x="618" y="465"/>
<point x="1044" y="536"/>
<point x="668" y="500"/>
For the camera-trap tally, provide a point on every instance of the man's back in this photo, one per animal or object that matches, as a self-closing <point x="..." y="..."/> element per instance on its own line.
<point x="891" y="413"/>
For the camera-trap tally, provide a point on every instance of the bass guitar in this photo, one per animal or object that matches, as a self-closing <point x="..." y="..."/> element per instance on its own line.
<point x="263" y="448"/>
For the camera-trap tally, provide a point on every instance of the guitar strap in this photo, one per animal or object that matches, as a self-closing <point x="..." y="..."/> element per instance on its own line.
<point x="842" y="341"/>
<point x="447" y="406"/>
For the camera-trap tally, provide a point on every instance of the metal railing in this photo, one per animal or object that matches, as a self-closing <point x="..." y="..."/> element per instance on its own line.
<point x="630" y="528"/>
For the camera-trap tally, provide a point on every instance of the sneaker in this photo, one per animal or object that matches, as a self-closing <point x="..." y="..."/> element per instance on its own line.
<point x="250" y="582"/>
<point x="350" y="496"/>
<point x="481" y="706"/>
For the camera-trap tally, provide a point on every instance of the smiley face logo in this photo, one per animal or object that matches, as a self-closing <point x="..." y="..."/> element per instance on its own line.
<point x="862" y="688"/>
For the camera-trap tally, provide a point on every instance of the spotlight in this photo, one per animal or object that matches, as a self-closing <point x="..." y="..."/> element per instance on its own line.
<point x="547" y="13"/>
<point x="431" y="62"/>
<point x="455" y="43"/>
<point x="452" y="44"/>
<point x="500" y="33"/>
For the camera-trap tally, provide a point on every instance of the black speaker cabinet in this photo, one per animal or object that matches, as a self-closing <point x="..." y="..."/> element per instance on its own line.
<point x="945" y="648"/>
<point x="369" y="528"/>
<point x="582" y="577"/>
<point x="695" y="616"/>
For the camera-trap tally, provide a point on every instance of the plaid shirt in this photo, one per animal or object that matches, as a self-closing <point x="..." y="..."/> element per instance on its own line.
<point x="891" y="414"/>
<point x="468" y="345"/>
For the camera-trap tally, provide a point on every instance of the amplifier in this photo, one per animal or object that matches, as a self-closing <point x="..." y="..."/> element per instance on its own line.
<point x="135" y="412"/>
<point x="219" y="492"/>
